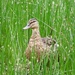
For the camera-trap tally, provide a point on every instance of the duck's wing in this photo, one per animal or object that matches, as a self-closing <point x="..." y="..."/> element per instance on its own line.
<point x="48" y="41"/>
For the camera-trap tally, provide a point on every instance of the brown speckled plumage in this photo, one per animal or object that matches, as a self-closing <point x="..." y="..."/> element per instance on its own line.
<point x="36" y="43"/>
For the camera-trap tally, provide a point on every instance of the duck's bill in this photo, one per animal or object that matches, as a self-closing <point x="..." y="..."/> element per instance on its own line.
<point x="27" y="27"/>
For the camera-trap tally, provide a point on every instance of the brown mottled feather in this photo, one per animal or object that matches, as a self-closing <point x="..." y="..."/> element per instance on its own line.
<point x="48" y="41"/>
<point x="36" y="43"/>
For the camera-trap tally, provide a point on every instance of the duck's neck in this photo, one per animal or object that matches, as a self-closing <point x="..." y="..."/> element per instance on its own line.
<point x="35" y="33"/>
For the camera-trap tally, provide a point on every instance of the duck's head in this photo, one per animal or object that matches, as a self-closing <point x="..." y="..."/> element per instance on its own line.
<point x="32" y="23"/>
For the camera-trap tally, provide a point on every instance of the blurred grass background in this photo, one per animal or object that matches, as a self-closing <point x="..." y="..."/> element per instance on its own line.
<point x="56" y="19"/>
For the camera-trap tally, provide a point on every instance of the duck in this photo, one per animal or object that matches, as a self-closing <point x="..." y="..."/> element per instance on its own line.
<point x="36" y="43"/>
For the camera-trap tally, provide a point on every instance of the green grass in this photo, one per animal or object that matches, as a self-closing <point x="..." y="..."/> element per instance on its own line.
<point x="56" y="19"/>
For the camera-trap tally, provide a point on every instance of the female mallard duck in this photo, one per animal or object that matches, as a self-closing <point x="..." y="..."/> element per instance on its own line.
<point x="36" y="43"/>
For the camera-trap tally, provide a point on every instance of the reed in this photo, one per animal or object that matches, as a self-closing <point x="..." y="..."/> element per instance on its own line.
<point x="56" y="18"/>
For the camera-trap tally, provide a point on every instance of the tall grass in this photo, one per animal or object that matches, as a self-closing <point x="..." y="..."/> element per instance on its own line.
<point x="56" y="19"/>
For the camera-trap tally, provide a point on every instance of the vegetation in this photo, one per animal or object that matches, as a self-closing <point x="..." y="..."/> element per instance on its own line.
<point x="56" y="19"/>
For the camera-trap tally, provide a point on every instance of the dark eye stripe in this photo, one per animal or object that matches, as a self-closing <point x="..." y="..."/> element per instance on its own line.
<point x="32" y="22"/>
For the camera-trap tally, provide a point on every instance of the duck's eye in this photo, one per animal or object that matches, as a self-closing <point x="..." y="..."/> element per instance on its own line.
<point x="32" y="22"/>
